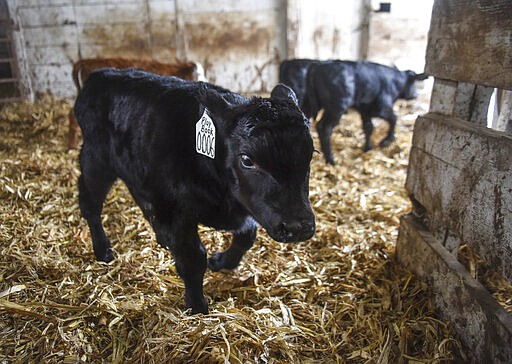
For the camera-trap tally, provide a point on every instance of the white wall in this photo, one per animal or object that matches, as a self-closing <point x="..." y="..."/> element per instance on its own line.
<point x="327" y="29"/>
<point x="400" y="37"/>
<point x="239" y="42"/>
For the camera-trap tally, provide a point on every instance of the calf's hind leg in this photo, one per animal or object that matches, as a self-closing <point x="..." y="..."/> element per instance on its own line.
<point x="324" y="128"/>
<point x="93" y="185"/>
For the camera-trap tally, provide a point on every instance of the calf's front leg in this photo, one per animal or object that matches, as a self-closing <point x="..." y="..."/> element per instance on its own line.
<point x="243" y="239"/>
<point x="189" y="255"/>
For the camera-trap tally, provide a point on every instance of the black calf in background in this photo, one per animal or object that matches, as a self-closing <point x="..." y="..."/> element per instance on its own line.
<point x="293" y="73"/>
<point x="370" y="88"/>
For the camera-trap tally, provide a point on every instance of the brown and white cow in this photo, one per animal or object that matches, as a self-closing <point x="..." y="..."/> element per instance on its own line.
<point x="83" y="68"/>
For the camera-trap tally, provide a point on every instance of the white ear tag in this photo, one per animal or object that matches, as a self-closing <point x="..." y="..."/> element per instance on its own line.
<point x="205" y="135"/>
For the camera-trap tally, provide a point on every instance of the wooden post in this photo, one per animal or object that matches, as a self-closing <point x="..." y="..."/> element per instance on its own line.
<point x="505" y="114"/>
<point x="460" y="173"/>
<point x="181" y="38"/>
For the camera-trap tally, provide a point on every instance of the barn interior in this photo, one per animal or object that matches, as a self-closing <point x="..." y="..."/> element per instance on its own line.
<point x="410" y="261"/>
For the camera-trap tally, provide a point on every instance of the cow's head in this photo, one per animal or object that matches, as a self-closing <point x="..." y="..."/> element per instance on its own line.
<point x="269" y="152"/>
<point x="408" y="91"/>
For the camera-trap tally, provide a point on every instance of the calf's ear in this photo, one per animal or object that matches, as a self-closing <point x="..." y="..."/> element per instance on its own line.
<point x="213" y="101"/>
<point x="283" y="92"/>
<point x="416" y="76"/>
<point x="421" y="76"/>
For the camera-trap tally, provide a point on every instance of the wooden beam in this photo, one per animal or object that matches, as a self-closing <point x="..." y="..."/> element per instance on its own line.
<point x="504" y="121"/>
<point x="461" y="99"/>
<point x="461" y="174"/>
<point x="469" y="40"/>
<point x="443" y="97"/>
<point x="484" y="326"/>
<point x="292" y="28"/>
<point x="472" y="102"/>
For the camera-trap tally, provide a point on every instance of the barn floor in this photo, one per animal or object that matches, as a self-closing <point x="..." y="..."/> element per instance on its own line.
<point x="340" y="297"/>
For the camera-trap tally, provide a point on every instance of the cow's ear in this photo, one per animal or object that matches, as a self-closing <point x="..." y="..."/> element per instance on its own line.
<point x="213" y="101"/>
<point x="421" y="76"/>
<point x="283" y="92"/>
<point x="411" y="75"/>
<point x="416" y="76"/>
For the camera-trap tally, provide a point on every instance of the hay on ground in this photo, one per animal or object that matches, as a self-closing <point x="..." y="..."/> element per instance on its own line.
<point x="340" y="297"/>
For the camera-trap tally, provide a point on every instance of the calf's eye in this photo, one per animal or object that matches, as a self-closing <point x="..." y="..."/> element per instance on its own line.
<point x="246" y="162"/>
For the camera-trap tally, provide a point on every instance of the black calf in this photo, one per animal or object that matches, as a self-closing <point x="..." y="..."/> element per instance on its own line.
<point x="370" y="88"/>
<point x="293" y="73"/>
<point x="193" y="153"/>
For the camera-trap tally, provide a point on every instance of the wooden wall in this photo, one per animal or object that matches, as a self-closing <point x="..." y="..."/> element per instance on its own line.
<point x="460" y="173"/>
<point x="239" y="43"/>
<point x="471" y="41"/>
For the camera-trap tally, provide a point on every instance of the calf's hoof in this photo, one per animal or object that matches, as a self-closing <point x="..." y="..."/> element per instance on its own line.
<point x="105" y="256"/>
<point x="330" y="160"/>
<point x="218" y="262"/>
<point x="366" y="148"/>
<point x="196" y="311"/>
<point x="198" y="307"/>
<point x="386" y="142"/>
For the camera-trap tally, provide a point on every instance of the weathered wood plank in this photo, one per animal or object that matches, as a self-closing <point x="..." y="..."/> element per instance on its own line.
<point x="469" y="40"/>
<point x="483" y="325"/>
<point x="504" y="121"/>
<point x="472" y="102"/>
<point x="461" y="99"/>
<point x="461" y="174"/>
<point x="464" y="95"/>
<point x="479" y="106"/>
<point x="443" y="96"/>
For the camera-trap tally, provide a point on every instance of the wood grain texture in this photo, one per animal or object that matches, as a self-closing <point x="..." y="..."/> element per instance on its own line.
<point x="461" y="174"/>
<point x="504" y="121"/>
<point x="471" y="41"/>
<point x="483" y="325"/>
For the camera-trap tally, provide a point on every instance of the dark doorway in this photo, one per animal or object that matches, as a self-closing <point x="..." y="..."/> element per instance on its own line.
<point x="9" y="80"/>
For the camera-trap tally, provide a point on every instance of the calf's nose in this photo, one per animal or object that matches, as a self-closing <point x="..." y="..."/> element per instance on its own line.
<point x="297" y="230"/>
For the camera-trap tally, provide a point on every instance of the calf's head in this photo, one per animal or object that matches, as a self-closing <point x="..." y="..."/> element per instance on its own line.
<point x="269" y="153"/>
<point x="408" y="91"/>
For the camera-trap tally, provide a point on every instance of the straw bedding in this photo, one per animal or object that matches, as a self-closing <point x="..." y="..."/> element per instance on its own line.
<point x="340" y="297"/>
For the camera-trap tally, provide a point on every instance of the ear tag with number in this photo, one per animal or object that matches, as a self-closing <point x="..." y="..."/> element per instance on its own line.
<point x="205" y="135"/>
